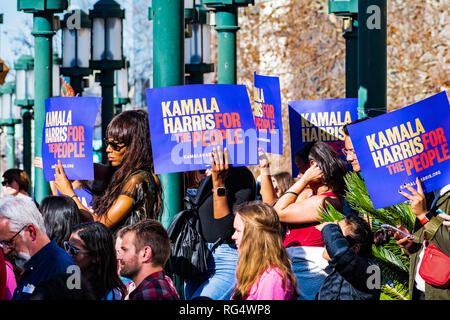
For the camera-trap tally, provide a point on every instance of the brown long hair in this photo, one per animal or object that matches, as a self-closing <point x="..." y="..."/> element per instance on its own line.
<point x="261" y="248"/>
<point x="284" y="180"/>
<point x="131" y="128"/>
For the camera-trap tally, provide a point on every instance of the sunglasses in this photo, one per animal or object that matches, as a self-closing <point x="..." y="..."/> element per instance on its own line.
<point x="4" y="183"/>
<point x="73" y="251"/>
<point x="8" y="244"/>
<point x="114" y="145"/>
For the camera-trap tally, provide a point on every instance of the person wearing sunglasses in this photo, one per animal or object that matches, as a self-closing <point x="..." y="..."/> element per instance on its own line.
<point x="91" y="245"/>
<point x="127" y="190"/>
<point x="16" y="182"/>
<point x="23" y="237"/>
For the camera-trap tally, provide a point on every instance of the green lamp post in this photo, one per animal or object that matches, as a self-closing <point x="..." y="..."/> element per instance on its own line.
<point x="76" y="48"/>
<point x="121" y="88"/>
<point x="372" y="58"/>
<point x="43" y="13"/>
<point x="24" y="67"/>
<point x="168" y="70"/>
<point x="106" y="54"/>
<point x="226" y="21"/>
<point x="10" y="116"/>
<point x="197" y="44"/>
<point x="348" y="10"/>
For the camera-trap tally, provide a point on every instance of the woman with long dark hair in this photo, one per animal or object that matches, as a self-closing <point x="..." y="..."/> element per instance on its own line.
<point x="127" y="190"/>
<point x="91" y="246"/>
<point x="304" y="243"/>
<point x="60" y="215"/>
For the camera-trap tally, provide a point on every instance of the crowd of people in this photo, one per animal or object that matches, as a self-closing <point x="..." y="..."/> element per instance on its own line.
<point x="265" y="238"/>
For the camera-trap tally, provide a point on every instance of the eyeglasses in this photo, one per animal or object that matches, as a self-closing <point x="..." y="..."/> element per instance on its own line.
<point x="114" y="145"/>
<point x="9" y="244"/>
<point x="348" y="152"/>
<point x="73" y="251"/>
<point x="5" y="182"/>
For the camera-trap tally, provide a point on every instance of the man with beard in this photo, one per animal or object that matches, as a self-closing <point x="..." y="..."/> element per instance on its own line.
<point x="23" y="237"/>
<point x="143" y="253"/>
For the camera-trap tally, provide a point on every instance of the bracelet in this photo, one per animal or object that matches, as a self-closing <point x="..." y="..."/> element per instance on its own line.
<point x="291" y="192"/>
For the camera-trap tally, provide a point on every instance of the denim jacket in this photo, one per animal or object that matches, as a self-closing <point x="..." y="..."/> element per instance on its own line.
<point x="351" y="275"/>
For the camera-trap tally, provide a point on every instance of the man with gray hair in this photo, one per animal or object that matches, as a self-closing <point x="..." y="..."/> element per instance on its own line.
<point x="23" y="236"/>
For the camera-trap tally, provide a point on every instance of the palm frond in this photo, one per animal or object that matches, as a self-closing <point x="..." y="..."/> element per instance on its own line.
<point x="394" y="266"/>
<point x="359" y="199"/>
<point x="329" y="213"/>
<point x="393" y="292"/>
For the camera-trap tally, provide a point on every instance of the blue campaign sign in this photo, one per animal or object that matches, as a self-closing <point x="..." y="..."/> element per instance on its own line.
<point x="395" y="148"/>
<point x="67" y="136"/>
<point x="187" y="122"/>
<point x="320" y="120"/>
<point x="84" y="195"/>
<point x="267" y="113"/>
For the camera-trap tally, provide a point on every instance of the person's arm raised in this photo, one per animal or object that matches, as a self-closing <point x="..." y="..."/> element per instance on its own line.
<point x="119" y="209"/>
<point x="268" y="193"/>
<point x="219" y="171"/>
<point x="305" y="211"/>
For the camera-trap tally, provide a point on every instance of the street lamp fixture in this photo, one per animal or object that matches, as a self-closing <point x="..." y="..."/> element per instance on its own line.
<point x="56" y="84"/>
<point x="76" y="48"/>
<point x="107" y="35"/>
<point x="43" y="31"/>
<point x="197" y="52"/>
<point x="121" y="87"/>
<point x="10" y="116"/>
<point x="226" y="25"/>
<point x="343" y="7"/>
<point x="349" y="11"/>
<point x="24" y="67"/>
<point x="106" y="54"/>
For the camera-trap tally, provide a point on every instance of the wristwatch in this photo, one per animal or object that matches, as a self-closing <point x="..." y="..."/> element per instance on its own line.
<point x="220" y="191"/>
<point x="427" y="218"/>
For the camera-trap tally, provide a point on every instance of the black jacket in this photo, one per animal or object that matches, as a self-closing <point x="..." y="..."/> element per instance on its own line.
<point x="352" y="276"/>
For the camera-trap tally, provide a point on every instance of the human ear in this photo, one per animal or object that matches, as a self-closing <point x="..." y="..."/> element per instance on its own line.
<point x="32" y="230"/>
<point x="146" y="254"/>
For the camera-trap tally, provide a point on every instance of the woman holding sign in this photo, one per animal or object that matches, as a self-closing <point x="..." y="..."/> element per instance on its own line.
<point x="303" y="242"/>
<point x="127" y="190"/>
<point x="226" y="187"/>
